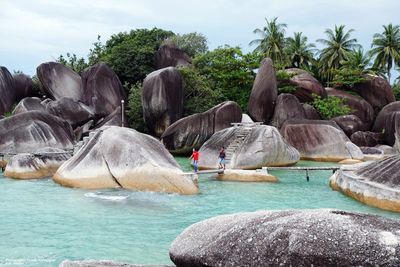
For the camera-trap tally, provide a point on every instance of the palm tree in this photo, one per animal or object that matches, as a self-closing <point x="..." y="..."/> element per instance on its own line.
<point x="358" y="60"/>
<point x="271" y="41"/>
<point x="300" y="53"/>
<point x="338" y="46"/>
<point x="386" y="48"/>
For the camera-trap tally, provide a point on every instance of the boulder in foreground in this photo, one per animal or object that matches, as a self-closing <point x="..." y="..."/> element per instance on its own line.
<point x="122" y="157"/>
<point x="290" y="238"/>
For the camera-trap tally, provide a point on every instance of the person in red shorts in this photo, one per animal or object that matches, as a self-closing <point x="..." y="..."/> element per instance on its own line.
<point x="195" y="156"/>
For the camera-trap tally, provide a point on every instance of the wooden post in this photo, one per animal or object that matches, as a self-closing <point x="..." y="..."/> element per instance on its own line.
<point x="122" y="113"/>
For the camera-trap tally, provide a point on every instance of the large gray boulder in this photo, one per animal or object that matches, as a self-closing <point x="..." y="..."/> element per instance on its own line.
<point x="74" y="112"/>
<point x="29" y="104"/>
<point x="385" y="121"/>
<point x="349" y="124"/>
<point x="320" y="140"/>
<point x="23" y="86"/>
<point x="264" y="93"/>
<point x="287" y="107"/>
<point x="102" y="89"/>
<point x="262" y="146"/>
<point x="59" y="81"/>
<point x="319" y="237"/>
<point x="168" y="55"/>
<point x="162" y="99"/>
<point x="33" y="130"/>
<point x="359" y="107"/>
<point x="192" y="131"/>
<point x="114" y="119"/>
<point x="121" y="157"/>
<point x="375" y="183"/>
<point x="7" y="91"/>
<point x="376" y="91"/>
<point x="369" y="139"/>
<point x="311" y="112"/>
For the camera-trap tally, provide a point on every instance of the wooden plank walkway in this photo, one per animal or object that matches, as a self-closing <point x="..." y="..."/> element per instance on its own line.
<point x="219" y="171"/>
<point x="333" y="168"/>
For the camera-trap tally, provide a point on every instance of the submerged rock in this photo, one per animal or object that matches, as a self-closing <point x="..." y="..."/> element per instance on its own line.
<point x="289" y="238"/>
<point x="192" y="131"/>
<point x="33" y="130"/>
<point x="376" y="184"/>
<point x="319" y="140"/>
<point x="7" y="91"/>
<point x="29" y="104"/>
<point x="162" y="99"/>
<point x="264" y="93"/>
<point x="261" y="145"/>
<point x="102" y="89"/>
<point x="122" y="157"/>
<point x="59" y="81"/>
<point x="287" y="107"/>
<point x="168" y="55"/>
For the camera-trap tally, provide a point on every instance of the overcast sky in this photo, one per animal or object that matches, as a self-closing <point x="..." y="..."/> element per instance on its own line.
<point x="32" y="32"/>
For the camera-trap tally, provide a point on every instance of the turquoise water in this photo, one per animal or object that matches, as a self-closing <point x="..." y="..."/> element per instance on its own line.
<point x="43" y="223"/>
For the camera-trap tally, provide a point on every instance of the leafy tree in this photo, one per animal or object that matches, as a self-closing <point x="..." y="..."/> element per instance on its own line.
<point x="73" y="62"/>
<point x="192" y="43"/>
<point x="358" y="60"/>
<point x="230" y="70"/>
<point x="300" y="53"/>
<point x="272" y="41"/>
<point x="338" y="46"/>
<point x="97" y="52"/>
<point x="135" y="109"/>
<point x="386" y="48"/>
<point x="131" y="55"/>
<point x="330" y="106"/>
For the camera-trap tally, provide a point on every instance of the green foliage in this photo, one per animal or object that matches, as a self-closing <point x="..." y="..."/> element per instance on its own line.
<point x="97" y="52"/>
<point x="192" y="43"/>
<point x="135" y="110"/>
<point x="288" y="89"/>
<point x="282" y="75"/>
<point x="131" y="55"/>
<point x="73" y="62"/>
<point x="396" y="91"/>
<point x="299" y="52"/>
<point x="230" y="71"/>
<point x="330" y="106"/>
<point x="199" y="96"/>
<point x="346" y="78"/>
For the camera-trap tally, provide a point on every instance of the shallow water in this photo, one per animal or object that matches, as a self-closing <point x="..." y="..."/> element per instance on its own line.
<point x="42" y="223"/>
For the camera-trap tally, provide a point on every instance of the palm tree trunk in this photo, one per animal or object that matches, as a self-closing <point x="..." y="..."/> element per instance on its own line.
<point x="388" y="71"/>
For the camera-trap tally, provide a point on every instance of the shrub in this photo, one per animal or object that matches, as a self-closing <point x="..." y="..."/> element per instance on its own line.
<point x="135" y="109"/>
<point x="330" y="106"/>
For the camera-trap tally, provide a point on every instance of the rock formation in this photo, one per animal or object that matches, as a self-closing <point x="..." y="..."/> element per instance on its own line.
<point x="376" y="184"/>
<point x="319" y="237"/>
<point x="29" y="104"/>
<point x="23" y="86"/>
<point x="385" y="122"/>
<point x="287" y="107"/>
<point x="29" y="131"/>
<point x="264" y="93"/>
<point x="162" y="99"/>
<point x="114" y="119"/>
<point x="306" y="85"/>
<point x="369" y="139"/>
<point x="262" y="146"/>
<point x="7" y="91"/>
<point x="310" y="112"/>
<point x="102" y="89"/>
<point x="246" y="119"/>
<point x="122" y="157"/>
<point x="319" y="140"/>
<point x="168" y="55"/>
<point x="192" y="131"/>
<point x="59" y="81"/>
<point x="349" y="124"/>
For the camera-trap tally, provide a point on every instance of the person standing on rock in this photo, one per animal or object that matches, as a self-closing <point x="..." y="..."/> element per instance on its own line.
<point x="222" y="158"/>
<point x="195" y="156"/>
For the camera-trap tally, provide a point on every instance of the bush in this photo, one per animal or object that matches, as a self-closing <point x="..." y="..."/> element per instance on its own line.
<point x="135" y="109"/>
<point x="330" y="106"/>
<point x="396" y="91"/>
<point x="347" y="78"/>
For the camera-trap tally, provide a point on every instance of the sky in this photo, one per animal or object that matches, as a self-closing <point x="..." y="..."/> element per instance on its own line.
<point x="37" y="31"/>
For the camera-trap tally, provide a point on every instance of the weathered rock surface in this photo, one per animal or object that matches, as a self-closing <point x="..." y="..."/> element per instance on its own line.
<point x="349" y="124"/>
<point x="32" y="130"/>
<point x="310" y="112"/>
<point x="162" y="99"/>
<point x="287" y="107"/>
<point x="43" y="163"/>
<point x="264" y="93"/>
<point x="168" y="55"/>
<point x="122" y="157"/>
<point x="386" y="120"/>
<point x="360" y="108"/>
<point x="192" y="131"/>
<point x="102" y="263"/>
<point x="319" y="140"/>
<point x="102" y="89"/>
<point x="74" y="112"/>
<point x="306" y="85"/>
<point x="7" y="91"/>
<point x="23" y="86"/>
<point x="59" y="81"/>
<point x="246" y="119"/>
<point x="376" y="184"/>
<point x="246" y="176"/>
<point x="114" y="119"/>
<point x="376" y="91"/>
<point x="370" y="139"/>
<point x="29" y="104"/>
<point x="289" y="238"/>
<point x="263" y="146"/>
